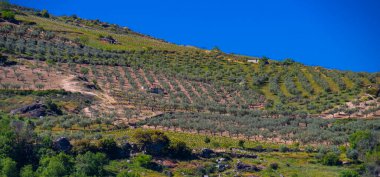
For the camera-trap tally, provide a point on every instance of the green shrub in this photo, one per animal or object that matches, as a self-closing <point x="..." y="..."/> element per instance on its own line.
<point x="274" y="166"/>
<point x="215" y="144"/>
<point x="309" y="149"/>
<point x="353" y="154"/>
<point x="91" y="164"/>
<point x="154" y="142"/>
<point x="207" y="140"/>
<point x="241" y="143"/>
<point x="8" y="15"/>
<point x="179" y="150"/>
<point x="27" y="171"/>
<point x="143" y="160"/>
<point x="331" y="159"/>
<point x="126" y="173"/>
<point x="283" y="148"/>
<point x="8" y="167"/>
<point x="349" y="173"/>
<point x="109" y="147"/>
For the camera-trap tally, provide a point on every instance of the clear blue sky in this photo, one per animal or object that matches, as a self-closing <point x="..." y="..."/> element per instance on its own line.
<point x="337" y="34"/>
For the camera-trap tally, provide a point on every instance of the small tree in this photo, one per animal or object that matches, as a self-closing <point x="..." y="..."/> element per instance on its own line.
<point x="349" y="173"/>
<point x="90" y="164"/>
<point x="8" y="167"/>
<point x="309" y="149"/>
<point x="152" y="141"/>
<point x="274" y="166"/>
<point x="17" y="74"/>
<point x="8" y="15"/>
<point x="45" y="13"/>
<point x="109" y="147"/>
<point x="241" y="143"/>
<point x="207" y="140"/>
<point x="331" y="159"/>
<point x="353" y="154"/>
<point x="84" y="71"/>
<point x="59" y="165"/>
<point x="39" y="86"/>
<point x="3" y="60"/>
<point x="283" y="148"/>
<point x="39" y="75"/>
<point x="27" y="171"/>
<point x="264" y="60"/>
<point x="179" y="150"/>
<point x="143" y="160"/>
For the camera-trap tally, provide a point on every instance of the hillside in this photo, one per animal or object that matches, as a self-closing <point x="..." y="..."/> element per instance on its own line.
<point x="101" y="80"/>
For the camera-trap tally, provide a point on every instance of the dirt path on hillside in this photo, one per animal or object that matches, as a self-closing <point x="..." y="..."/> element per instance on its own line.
<point x="70" y="84"/>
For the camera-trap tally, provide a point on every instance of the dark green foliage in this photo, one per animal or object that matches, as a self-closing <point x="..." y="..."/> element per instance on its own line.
<point x="59" y="165"/>
<point x="309" y="149"/>
<point x="34" y="92"/>
<point x="8" y="15"/>
<point x="363" y="141"/>
<point x="84" y="70"/>
<point x="260" y="79"/>
<point x="154" y="142"/>
<point x="3" y="60"/>
<point x="143" y="160"/>
<point x="252" y="124"/>
<point x="353" y="154"/>
<point x="109" y="147"/>
<point x="44" y="13"/>
<point x="331" y="159"/>
<point x="207" y="140"/>
<point x="90" y="164"/>
<point x="8" y="167"/>
<point x="264" y="60"/>
<point x="283" y="148"/>
<point x="241" y="143"/>
<point x="27" y="171"/>
<point x="126" y="173"/>
<point x="179" y="150"/>
<point x="274" y="166"/>
<point x="51" y="106"/>
<point x="349" y="173"/>
<point x="288" y="61"/>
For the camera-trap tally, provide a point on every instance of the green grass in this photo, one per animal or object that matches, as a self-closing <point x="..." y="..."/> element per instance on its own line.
<point x="294" y="163"/>
<point x="300" y="88"/>
<point x="300" y="163"/>
<point x="196" y="141"/>
<point x="333" y="86"/>
<point x="290" y="163"/>
<point x="284" y="90"/>
<point x="128" y="42"/>
<point x="315" y="86"/>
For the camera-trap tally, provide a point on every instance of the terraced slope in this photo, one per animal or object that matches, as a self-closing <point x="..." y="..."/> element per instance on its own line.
<point x="191" y="77"/>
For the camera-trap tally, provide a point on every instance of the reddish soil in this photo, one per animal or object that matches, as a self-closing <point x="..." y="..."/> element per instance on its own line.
<point x="184" y="90"/>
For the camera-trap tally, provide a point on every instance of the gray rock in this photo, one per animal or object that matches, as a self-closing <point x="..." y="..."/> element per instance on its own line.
<point x="126" y="149"/>
<point x="32" y="110"/>
<point x="221" y="167"/>
<point x="168" y="173"/>
<point x="207" y="153"/>
<point x="62" y="144"/>
<point x="240" y="166"/>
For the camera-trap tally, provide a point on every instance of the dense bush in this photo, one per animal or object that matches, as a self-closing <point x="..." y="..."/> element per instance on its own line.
<point x="153" y="142"/>
<point x="305" y="130"/>
<point x="331" y="159"/>
<point x="349" y="173"/>
<point x="179" y="149"/>
<point x="90" y="164"/>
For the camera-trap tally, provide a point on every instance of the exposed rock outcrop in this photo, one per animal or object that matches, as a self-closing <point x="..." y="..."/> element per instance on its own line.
<point x="62" y="144"/>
